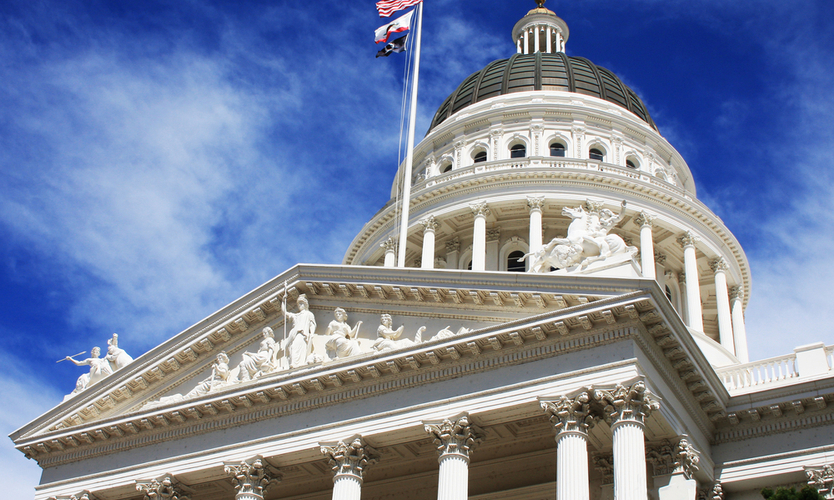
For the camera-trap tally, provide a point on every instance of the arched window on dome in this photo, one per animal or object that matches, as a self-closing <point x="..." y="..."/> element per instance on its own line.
<point x="518" y="151"/>
<point x="596" y="153"/>
<point x="479" y="156"/>
<point x="513" y="265"/>
<point x="445" y="167"/>
<point x="557" y="149"/>
<point x="632" y="162"/>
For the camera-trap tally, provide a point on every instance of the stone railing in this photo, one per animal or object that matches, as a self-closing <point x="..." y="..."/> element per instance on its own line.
<point x="829" y="355"/>
<point x="567" y="164"/>
<point x="758" y="373"/>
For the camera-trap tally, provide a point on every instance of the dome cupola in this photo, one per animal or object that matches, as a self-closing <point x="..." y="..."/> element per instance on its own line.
<point x="541" y="30"/>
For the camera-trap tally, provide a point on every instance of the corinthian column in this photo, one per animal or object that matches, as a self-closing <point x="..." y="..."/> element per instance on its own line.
<point x="163" y="487"/>
<point x="571" y="418"/>
<point x="645" y="221"/>
<point x="626" y="409"/>
<point x="739" y="330"/>
<point x="348" y="462"/>
<point x="693" y="287"/>
<point x="480" y="210"/>
<point x="251" y="478"/>
<point x="429" y="226"/>
<point x="390" y="252"/>
<point x="455" y="438"/>
<point x="535" y="204"/>
<point x="725" y="322"/>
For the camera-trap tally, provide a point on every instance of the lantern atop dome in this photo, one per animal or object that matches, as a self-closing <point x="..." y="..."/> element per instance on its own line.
<point x="541" y="30"/>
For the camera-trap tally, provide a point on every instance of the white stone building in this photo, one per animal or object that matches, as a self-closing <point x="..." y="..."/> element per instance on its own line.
<point x="616" y="375"/>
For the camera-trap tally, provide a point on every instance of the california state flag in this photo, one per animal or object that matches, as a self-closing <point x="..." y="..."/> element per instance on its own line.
<point x="388" y="7"/>
<point x="397" y="25"/>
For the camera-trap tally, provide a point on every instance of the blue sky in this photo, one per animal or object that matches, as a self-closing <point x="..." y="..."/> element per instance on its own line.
<point x="159" y="159"/>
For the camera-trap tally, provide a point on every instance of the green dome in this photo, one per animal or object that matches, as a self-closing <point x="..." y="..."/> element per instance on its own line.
<point x="541" y="71"/>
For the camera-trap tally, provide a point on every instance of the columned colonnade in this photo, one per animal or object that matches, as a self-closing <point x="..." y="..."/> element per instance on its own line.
<point x="625" y="408"/>
<point x="732" y="333"/>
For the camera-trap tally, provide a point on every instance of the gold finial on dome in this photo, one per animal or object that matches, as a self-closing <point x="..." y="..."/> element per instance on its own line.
<point x="540" y="3"/>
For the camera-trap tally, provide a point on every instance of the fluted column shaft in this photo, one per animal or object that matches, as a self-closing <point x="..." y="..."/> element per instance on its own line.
<point x="480" y="211"/>
<point x="693" y="286"/>
<point x="390" y="252"/>
<point x="536" y="229"/>
<point x="572" y="481"/>
<point x="722" y="297"/>
<point x="455" y="438"/>
<point x="645" y="221"/>
<point x="429" y="225"/>
<point x="629" y="461"/>
<point x="739" y="330"/>
<point x="347" y="487"/>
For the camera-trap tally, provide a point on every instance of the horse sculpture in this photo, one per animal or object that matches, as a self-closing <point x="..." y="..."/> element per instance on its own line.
<point x="587" y="240"/>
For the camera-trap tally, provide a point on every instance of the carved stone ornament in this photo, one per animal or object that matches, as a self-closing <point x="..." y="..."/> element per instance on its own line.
<point x="644" y="219"/>
<point x="163" y="488"/>
<point x="736" y="292"/>
<point x="456" y="436"/>
<point x="429" y="223"/>
<point x="252" y="477"/>
<point x="633" y="403"/>
<point x="479" y="209"/>
<point x="535" y="203"/>
<point x="660" y="257"/>
<point x="719" y="264"/>
<point x="822" y="478"/>
<point x="453" y="246"/>
<point x="351" y="458"/>
<point x="668" y="459"/>
<point x="84" y="495"/>
<point x="389" y="245"/>
<point x="604" y="464"/>
<point x="687" y="239"/>
<point x="493" y="234"/>
<point x="717" y="492"/>
<point x="571" y="414"/>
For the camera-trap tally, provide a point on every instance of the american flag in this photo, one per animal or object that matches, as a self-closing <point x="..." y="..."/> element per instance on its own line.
<point x="388" y="7"/>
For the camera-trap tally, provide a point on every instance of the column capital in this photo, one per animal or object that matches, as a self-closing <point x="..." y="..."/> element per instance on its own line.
<point x="719" y="265"/>
<point x="643" y="219"/>
<point x="389" y="245"/>
<point x="570" y="414"/>
<point x="736" y="292"/>
<point x="717" y="492"/>
<point x="659" y="257"/>
<point x="496" y="132"/>
<point x="682" y="278"/>
<point x="349" y="458"/>
<point x="535" y="203"/>
<point x="166" y="487"/>
<point x="455" y="436"/>
<point x="429" y="223"/>
<point x="688" y="239"/>
<point x="673" y="459"/>
<point x="493" y="234"/>
<point x="453" y="246"/>
<point x="627" y="403"/>
<point x="821" y="478"/>
<point x="479" y="209"/>
<point x="84" y="495"/>
<point x="251" y="477"/>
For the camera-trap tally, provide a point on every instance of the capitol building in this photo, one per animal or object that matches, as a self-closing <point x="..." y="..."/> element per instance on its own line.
<point x="569" y="324"/>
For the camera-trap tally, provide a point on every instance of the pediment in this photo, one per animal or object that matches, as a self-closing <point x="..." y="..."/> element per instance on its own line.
<point x="487" y="315"/>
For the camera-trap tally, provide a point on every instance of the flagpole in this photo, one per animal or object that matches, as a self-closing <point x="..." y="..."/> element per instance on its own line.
<point x="409" y="159"/>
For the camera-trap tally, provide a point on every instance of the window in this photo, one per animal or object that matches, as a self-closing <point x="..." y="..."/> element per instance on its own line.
<point x="480" y="156"/>
<point x="557" y="149"/>
<point x="446" y="168"/>
<point x="518" y="151"/>
<point x="596" y="154"/>
<point x="668" y="293"/>
<point x="469" y="266"/>
<point x="513" y="265"/>
<point x="630" y="164"/>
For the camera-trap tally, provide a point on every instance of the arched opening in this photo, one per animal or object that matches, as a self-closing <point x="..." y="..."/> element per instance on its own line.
<point x="469" y="266"/>
<point x="557" y="149"/>
<point x="596" y="154"/>
<point x="513" y="265"/>
<point x="518" y="151"/>
<point x="446" y="167"/>
<point x="631" y="162"/>
<point x="480" y="156"/>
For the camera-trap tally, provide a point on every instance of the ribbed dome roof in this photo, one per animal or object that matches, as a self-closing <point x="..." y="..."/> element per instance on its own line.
<point x="541" y="71"/>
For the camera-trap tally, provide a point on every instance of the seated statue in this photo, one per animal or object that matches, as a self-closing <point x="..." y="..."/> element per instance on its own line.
<point x="447" y="333"/>
<point x="341" y="338"/>
<point x="388" y="339"/>
<point x="219" y="377"/>
<point x="255" y="364"/>
<point x="99" y="368"/>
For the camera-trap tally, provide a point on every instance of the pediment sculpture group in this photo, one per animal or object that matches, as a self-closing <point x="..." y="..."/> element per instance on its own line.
<point x="115" y="359"/>
<point x="296" y="350"/>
